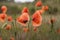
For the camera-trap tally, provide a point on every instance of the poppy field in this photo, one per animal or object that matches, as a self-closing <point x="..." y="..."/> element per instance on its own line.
<point x="39" y="20"/>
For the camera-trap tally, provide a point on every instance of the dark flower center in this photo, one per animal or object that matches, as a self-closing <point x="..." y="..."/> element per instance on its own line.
<point x="25" y="21"/>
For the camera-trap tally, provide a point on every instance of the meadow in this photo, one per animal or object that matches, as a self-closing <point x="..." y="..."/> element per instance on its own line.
<point x="49" y="29"/>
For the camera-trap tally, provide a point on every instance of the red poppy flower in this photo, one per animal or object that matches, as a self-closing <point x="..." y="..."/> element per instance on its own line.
<point x="4" y="9"/>
<point x="39" y="3"/>
<point x="23" y="19"/>
<point x="25" y="29"/>
<point x="3" y="17"/>
<point x="36" y="19"/>
<point x="9" y="18"/>
<point x="8" y="27"/>
<point x="25" y="10"/>
<point x="45" y="8"/>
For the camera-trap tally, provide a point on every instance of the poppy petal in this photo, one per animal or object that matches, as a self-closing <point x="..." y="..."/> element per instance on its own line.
<point x="23" y="19"/>
<point x="36" y="19"/>
<point x="25" y="10"/>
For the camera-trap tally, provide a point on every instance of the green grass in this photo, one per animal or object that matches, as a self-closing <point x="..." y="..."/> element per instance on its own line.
<point x="43" y="32"/>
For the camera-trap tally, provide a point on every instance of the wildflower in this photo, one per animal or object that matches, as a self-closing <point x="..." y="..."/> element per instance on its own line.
<point x="25" y="10"/>
<point x="25" y="29"/>
<point x="45" y="8"/>
<point x="9" y="18"/>
<point x="3" y="17"/>
<point x="8" y="27"/>
<point x="36" y="19"/>
<point x="4" y="9"/>
<point x="23" y="19"/>
<point x="38" y="4"/>
<point x="52" y="20"/>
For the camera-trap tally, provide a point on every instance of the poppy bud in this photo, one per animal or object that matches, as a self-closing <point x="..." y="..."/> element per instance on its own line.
<point x="25" y="29"/>
<point x="38" y="4"/>
<point x="4" y="9"/>
<point x="8" y="27"/>
<point x="25" y="10"/>
<point x="9" y="18"/>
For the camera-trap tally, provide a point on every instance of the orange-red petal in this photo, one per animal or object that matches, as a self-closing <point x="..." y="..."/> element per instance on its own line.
<point x="4" y="9"/>
<point x="25" y="10"/>
<point x="8" y="27"/>
<point x="10" y="18"/>
<point x="3" y="17"/>
<point x="39" y="3"/>
<point x="45" y="8"/>
<point x="36" y="19"/>
<point x="23" y="19"/>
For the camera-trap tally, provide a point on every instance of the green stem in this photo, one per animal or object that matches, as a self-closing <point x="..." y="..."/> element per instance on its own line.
<point x="15" y="29"/>
<point x="52" y="26"/>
